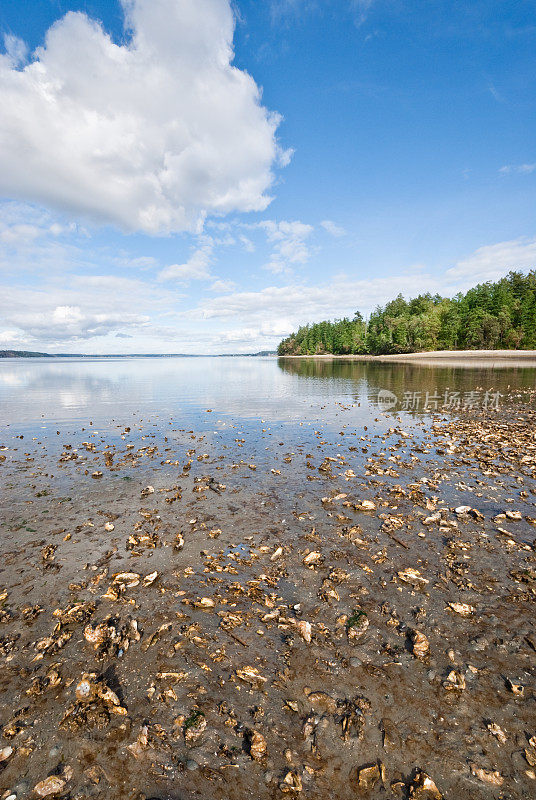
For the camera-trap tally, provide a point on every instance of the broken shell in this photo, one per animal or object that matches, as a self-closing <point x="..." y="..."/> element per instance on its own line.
<point x="149" y="579"/>
<point x="276" y="554"/>
<point x="424" y="788"/>
<point x="257" y="745"/>
<point x="291" y="783"/>
<point x="128" y="579"/>
<point x="454" y="680"/>
<point x="321" y="700"/>
<point x="498" y="732"/>
<point x="515" y="688"/>
<point x="421" y="645"/>
<point x="50" y="786"/>
<point x="312" y="558"/>
<point x="252" y="676"/>
<point x="140" y="744"/>
<point x="368" y="776"/>
<point x="5" y="753"/>
<point x="412" y="576"/>
<point x="85" y="690"/>
<point x="97" y="635"/>
<point x="109" y="526"/>
<point x="108" y="696"/>
<point x="495" y="778"/>
<point x="147" y="491"/>
<point x="304" y="629"/>
<point x="206" y="602"/>
<point x="462" y="608"/>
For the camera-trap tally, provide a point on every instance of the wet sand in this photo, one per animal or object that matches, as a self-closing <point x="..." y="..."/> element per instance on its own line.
<point x="438" y="358"/>
<point x="343" y="617"/>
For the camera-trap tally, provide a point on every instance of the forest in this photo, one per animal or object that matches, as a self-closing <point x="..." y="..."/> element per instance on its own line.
<point x="490" y="316"/>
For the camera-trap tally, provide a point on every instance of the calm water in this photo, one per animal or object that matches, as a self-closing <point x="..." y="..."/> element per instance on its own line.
<point x="37" y="394"/>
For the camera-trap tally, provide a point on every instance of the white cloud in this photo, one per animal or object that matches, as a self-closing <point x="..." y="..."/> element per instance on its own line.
<point x="222" y="287"/>
<point x="290" y="243"/>
<point x="520" y="169"/>
<point x="160" y="131"/>
<point x="333" y="228"/>
<point x="492" y="262"/>
<point x="16" y="49"/>
<point x="197" y="268"/>
<point x="71" y="323"/>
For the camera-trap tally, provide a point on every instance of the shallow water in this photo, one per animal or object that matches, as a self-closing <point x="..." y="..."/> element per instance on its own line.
<point x="38" y="393"/>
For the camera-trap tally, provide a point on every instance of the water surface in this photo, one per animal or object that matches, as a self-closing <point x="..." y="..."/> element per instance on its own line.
<point x="36" y="393"/>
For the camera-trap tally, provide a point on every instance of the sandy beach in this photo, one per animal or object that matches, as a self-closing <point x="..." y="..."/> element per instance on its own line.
<point x="444" y="357"/>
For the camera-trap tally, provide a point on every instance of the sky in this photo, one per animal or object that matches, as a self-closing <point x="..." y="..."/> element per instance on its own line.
<point x="204" y="176"/>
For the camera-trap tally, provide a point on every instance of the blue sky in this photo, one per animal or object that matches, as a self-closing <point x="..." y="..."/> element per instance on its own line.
<point x="195" y="176"/>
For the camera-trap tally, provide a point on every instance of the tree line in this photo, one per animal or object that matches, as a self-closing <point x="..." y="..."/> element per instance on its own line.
<point x="491" y="316"/>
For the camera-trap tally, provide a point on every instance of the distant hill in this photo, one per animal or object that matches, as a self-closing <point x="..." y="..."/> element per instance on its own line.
<point x="22" y="354"/>
<point x="29" y="354"/>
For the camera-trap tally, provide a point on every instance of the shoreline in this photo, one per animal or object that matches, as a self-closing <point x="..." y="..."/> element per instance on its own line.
<point x="434" y="355"/>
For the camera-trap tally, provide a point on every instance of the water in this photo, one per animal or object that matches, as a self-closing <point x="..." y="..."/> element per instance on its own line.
<point x="38" y="393"/>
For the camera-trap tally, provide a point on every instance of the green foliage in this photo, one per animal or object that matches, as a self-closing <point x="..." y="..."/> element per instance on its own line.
<point x="490" y="316"/>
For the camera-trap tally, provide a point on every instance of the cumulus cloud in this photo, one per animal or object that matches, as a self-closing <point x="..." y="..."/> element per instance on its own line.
<point x="152" y="135"/>
<point x="290" y="244"/>
<point x="197" y="267"/>
<point x="71" y="323"/>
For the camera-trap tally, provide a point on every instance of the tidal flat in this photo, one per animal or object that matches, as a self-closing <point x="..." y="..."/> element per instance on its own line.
<point x="223" y="584"/>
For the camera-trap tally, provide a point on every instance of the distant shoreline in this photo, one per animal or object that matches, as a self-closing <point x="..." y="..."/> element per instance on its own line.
<point x="434" y="355"/>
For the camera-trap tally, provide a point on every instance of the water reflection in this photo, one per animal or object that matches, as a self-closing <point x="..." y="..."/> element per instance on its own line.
<point x="426" y="378"/>
<point x="269" y="389"/>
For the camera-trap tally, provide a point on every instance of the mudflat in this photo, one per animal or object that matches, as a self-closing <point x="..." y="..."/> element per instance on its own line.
<point x="338" y="615"/>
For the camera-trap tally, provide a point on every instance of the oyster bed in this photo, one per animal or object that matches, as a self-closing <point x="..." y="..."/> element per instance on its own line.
<point x="338" y="613"/>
